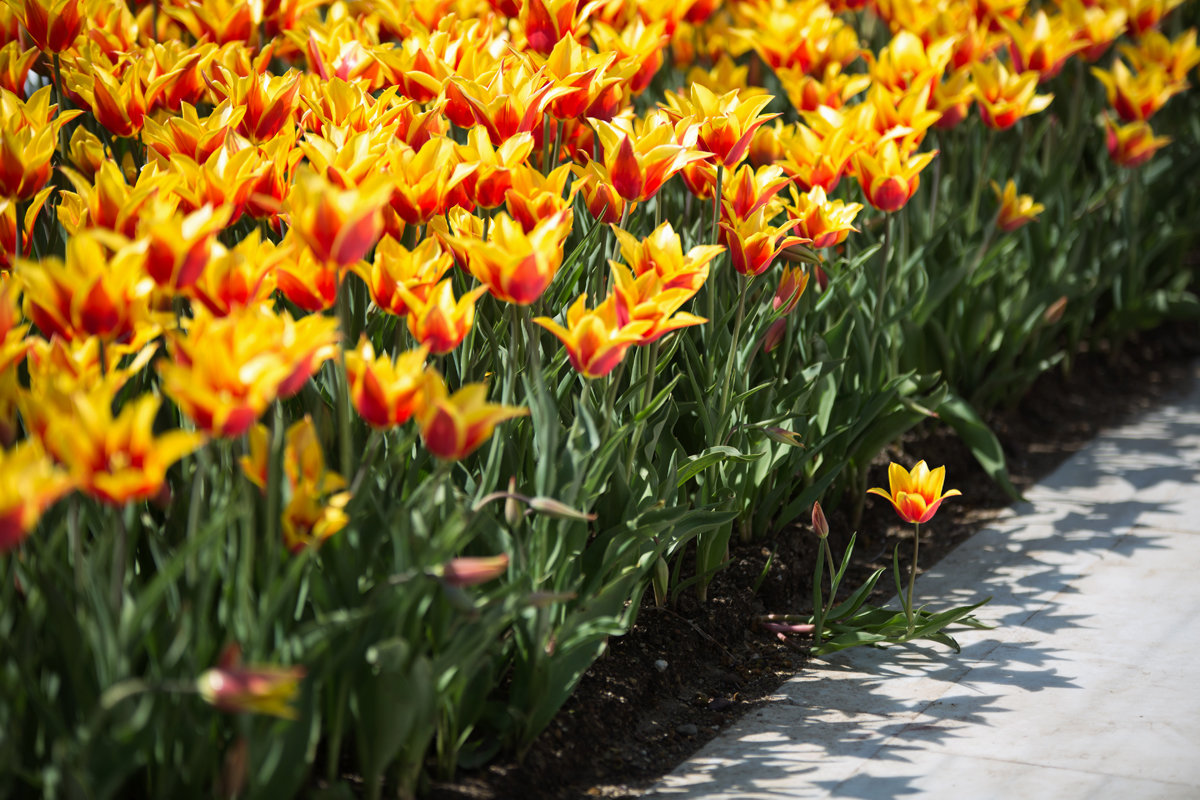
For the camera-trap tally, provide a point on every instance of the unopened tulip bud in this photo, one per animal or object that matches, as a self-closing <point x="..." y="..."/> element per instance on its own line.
<point x="819" y="523"/>
<point x="512" y="505"/>
<point x="474" y="570"/>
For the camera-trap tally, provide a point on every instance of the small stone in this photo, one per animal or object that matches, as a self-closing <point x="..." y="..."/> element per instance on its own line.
<point x="661" y="665"/>
<point x="687" y="729"/>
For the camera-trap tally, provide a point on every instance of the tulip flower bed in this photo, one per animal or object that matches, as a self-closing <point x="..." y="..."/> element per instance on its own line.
<point x="363" y="364"/>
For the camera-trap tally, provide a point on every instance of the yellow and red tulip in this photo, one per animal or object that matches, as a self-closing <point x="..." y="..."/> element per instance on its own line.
<point x="385" y="392"/>
<point x="454" y="425"/>
<point x="438" y="321"/>
<point x="29" y="484"/>
<point x="595" y="340"/>
<point x="1132" y="144"/>
<point x="116" y="458"/>
<point x="517" y="266"/>
<point x="916" y="494"/>
<point x="339" y="225"/>
<point x="825" y="222"/>
<point x="1015" y="210"/>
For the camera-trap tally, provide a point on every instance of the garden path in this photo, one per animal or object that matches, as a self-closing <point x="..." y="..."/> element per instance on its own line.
<point x="1085" y="688"/>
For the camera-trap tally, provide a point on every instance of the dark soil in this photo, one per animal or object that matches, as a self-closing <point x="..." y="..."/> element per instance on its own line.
<point x="633" y="719"/>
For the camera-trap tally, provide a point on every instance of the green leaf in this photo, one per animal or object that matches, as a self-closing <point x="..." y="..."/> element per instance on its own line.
<point x="979" y="438"/>
<point x="713" y="455"/>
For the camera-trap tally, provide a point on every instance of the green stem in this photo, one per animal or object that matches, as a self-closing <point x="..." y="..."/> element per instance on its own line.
<point x="912" y="577"/>
<point x="651" y="372"/>
<point x="345" y="423"/>
<point x="973" y="215"/>
<point x="120" y="556"/>
<point x="727" y="379"/>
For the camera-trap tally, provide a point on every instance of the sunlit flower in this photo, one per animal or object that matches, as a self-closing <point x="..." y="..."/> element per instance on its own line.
<point x="1041" y="44"/>
<point x="454" y="425"/>
<point x="439" y="321"/>
<point x="27" y="141"/>
<point x="93" y="292"/>
<point x="917" y="493"/>
<point x="236" y="278"/>
<point x="644" y="301"/>
<point x="1005" y="97"/>
<point x="51" y="24"/>
<point x="889" y="178"/>
<point x="29" y="484"/>
<point x="385" y="392"/>
<point x="224" y="372"/>
<point x="394" y="267"/>
<point x="1132" y="144"/>
<point x="662" y="253"/>
<point x="638" y="163"/>
<point x="179" y="245"/>
<point x="826" y="222"/>
<point x="1178" y="57"/>
<point x="269" y="101"/>
<point x="9" y="227"/>
<point x="1138" y="96"/>
<point x="1015" y="210"/>
<point x="754" y="243"/>
<point x="726" y="123"/>
<point x="116" y="458"/>
<point x="516" y="266"/>
<point x="339" y="225"/>
<point x="491" y="177"/>
<point x="595" y="339"/>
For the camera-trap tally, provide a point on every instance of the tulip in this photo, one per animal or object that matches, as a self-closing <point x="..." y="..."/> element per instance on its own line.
<point x="1177" y="57"/>
<point x="226" y="371"/>
<point x="252" y="690"/>
<point x="595" y="340"/>
<point x="1133" y="144"/>
<point x="1015" y="210"/>
<point x="15" y="63"/>
<point x="439" y="321"/>
<point x="51" y="24"/>
<point x="888" y="177"/>
<point x="826" y="222"/>
<point x="454" y="426"/>
<point x="753" y="243"/>
<point x="473" y="570"/>
<point x="394" y="267"/>
<point x="639" y="48"/>
<point x="91" y="293"/>
<point x="1137" y="97"/>
<point x="662" y="253"/>
<point x="916" y="494"/>
<point x="179" y="246"/>
<point x="338" y="225"/>
<point x="515" y="266"/>
<point x="238" y="278"/>
<point x="726" y="122"/>
<point x="116" y="458"/>
<point x="645" y="301"/>
<point x="1005" y="97"/>
<point x="269" y="101"/>
<point x="791" y="288"/>
<point x="29" y="484"/>
<point x="385" y="392"/>
<point x="27" y="141"/>
<point x="1042" y="44"/>
<point x="639" y="163"/>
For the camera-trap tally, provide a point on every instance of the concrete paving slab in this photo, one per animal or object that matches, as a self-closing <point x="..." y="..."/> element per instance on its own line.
<point x="1085" y="689"/>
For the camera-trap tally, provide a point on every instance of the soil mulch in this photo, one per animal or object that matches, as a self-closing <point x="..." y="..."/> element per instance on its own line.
<point x="684" y="673"/>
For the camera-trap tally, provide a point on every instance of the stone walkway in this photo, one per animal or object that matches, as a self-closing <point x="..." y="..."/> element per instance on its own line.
<point x="1088" y="686"/>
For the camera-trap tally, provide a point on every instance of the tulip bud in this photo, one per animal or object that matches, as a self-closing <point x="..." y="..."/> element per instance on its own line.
<point x="819" y="523"/>
<point x="512" y="506"/>
<point x="474" y="570"/>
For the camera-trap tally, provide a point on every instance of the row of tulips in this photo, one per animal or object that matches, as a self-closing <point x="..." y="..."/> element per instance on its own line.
<point x="362" y="364"/>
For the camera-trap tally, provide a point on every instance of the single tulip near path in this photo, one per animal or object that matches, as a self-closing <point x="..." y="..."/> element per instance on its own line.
<point x="916" y="495"/>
